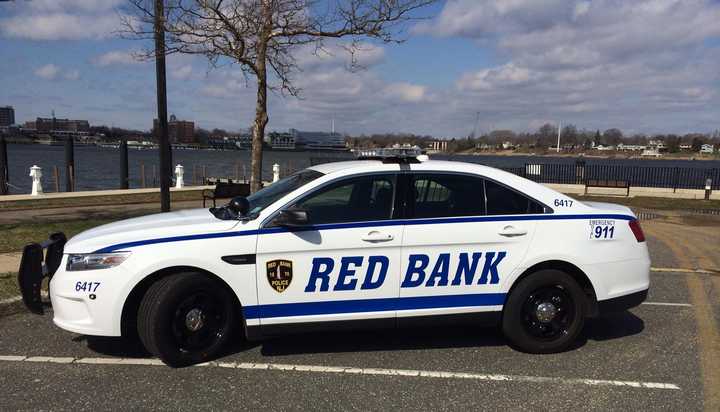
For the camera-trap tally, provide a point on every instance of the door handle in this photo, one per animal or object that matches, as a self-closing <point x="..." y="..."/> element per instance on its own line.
<point x="512" y="231"/>
<point x="375" y="236"/>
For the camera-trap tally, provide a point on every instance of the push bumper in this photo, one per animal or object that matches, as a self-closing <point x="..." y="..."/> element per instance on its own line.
<point x="622" y="303"/>
<point x="39" y="260"/>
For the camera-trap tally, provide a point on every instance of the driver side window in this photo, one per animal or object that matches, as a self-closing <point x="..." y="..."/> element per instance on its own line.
<point x="357" y="199"/>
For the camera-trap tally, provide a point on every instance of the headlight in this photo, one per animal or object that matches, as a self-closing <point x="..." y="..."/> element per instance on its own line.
<point x="93" y="261"/>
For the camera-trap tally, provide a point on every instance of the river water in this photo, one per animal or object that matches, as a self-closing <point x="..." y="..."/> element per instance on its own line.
<point x="98" y="168"/>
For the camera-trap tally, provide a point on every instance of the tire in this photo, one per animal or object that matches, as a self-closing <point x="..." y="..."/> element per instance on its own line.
<point x="545" y="312"/>
<point x="186" y="318"/>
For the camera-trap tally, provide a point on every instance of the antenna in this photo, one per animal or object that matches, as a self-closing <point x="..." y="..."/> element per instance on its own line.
<point x="53" y="113"/>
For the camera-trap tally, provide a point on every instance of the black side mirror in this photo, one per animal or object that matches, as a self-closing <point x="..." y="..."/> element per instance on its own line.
<point x="239" y="205"/>
<point x="291" y="218"/>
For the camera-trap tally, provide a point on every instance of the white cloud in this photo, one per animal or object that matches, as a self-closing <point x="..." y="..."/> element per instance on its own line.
<point x="72" y="75"/>
<point x="407" y="92"/>
<point x="52" y="72"/>
<point x="605" y="63"/>
<point x="79" y="5"/>
<point x="48" y="72"/>
<point x="182" y="72"/>
<point x="61" y="19"/>
<point x="334" y="54"/>
<point x="503" y="76"/>
<point x="116" y="58"/>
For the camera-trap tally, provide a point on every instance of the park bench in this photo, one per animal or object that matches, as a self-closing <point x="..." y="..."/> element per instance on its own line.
<point x="615" y="184"/>
<point x="225" y="190"/>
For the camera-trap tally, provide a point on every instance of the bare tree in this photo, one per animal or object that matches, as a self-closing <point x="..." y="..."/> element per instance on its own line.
<point x="261" y="36"/>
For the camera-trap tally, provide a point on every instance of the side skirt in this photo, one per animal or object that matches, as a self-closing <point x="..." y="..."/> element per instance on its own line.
<point x="259" y="332"/>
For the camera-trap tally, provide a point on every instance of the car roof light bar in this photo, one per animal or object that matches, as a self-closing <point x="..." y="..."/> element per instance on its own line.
<point x="392" y="155"/>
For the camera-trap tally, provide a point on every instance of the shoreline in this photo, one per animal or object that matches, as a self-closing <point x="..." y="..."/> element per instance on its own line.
<point x="500" y="153"/>
<point x="582" y="155"/>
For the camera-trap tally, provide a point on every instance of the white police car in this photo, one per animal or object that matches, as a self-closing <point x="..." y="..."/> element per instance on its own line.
<point x="366" y="243"/>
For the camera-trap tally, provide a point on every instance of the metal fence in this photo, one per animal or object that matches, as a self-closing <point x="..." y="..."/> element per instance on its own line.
<point x="580" y="172"/>
<point x="636" y="176"/>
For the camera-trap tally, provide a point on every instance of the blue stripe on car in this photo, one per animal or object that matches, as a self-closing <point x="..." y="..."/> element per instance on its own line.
<point x="372" y="305"/>
<point x="332" y="226"/>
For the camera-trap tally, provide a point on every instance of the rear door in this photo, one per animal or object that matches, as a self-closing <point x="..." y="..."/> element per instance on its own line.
<point x="343" y="266"/>
<point x="464" y="233"/>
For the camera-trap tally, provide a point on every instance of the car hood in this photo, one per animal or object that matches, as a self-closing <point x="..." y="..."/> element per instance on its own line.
<point x="162" y="225"/>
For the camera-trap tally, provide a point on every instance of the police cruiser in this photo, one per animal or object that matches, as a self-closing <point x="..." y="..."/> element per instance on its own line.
<point x="384" y="242"/>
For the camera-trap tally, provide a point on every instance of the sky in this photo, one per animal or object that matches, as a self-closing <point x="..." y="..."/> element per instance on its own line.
<point x="644" y="66"/>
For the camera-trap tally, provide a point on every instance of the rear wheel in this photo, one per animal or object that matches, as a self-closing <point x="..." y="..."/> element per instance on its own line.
<point x="186" y="318"/>
<point x="545" y="312"/>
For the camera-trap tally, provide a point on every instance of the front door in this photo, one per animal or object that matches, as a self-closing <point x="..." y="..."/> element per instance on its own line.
<point x="460" y="241"/>
<point x="343" y="266"/>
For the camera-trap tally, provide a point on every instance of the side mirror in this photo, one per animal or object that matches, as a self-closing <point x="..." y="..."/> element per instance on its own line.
<point x="239" y="205"/>
<point x="291" y="218"/>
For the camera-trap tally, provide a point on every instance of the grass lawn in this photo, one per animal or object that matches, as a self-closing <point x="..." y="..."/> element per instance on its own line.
<point x="48" y="203"/>
<point x="16" y="236"/>
<point x="8" y="285"/>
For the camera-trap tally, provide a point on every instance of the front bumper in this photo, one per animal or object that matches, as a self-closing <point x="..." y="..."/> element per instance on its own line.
<point x="39" y="260"/>
<point x="82" y="301"/>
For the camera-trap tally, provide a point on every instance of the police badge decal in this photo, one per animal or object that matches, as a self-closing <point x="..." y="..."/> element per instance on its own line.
<point x="279" y="274"/>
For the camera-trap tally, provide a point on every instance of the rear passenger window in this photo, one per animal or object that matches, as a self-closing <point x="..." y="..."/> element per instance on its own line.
<point x="446" y="195"/>
<point x="505" y="201"/>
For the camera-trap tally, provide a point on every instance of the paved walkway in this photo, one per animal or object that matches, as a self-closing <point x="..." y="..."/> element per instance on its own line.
<point x="9" y="262"/>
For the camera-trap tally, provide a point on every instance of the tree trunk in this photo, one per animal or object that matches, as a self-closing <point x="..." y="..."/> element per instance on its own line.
<point x="261" y="116"/>
<point x="261" y="120"/>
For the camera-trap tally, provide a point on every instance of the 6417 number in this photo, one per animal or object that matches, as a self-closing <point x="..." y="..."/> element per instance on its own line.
<point x="86" y="286"/>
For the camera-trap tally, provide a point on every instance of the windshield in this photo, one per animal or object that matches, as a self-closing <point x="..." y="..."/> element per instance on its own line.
<point x="268" y="195"/>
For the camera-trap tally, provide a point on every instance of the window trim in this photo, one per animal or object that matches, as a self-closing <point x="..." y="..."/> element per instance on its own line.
<point x="411" y="174"/>
<point x="394" y="175"/>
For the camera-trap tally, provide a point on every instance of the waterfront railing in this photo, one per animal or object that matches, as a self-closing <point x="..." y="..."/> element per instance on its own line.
<point x="579" y="173"/>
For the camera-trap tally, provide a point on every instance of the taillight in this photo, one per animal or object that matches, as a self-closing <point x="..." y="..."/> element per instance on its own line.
<point x="637" y="230"/>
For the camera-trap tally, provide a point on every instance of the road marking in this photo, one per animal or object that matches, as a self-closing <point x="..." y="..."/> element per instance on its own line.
<point x="708" y="337"/>
<point x="351" y="371"/>
<point x="689" y="305"/>
<point x="682" y="270"/>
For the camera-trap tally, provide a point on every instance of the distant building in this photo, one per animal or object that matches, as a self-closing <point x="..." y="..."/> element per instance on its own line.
<point x="7" y="116"/>
<point x="439" y="145"/>
<point x="318" y="140"/>
<point x="179" y="131"/>
<point x="631" y="147"/>
<point x="657" y="145"/>
<point x="64" y="126"/>
<point x="707" y="148"/>
<point x="281" y="141"/>
<point x="650" y="153"/>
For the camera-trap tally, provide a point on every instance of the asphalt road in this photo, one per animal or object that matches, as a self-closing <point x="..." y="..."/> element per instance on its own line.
<point x="649" y="358"/>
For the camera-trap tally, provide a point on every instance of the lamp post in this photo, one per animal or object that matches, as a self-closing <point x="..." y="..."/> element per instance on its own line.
<point x="162" y="129"/>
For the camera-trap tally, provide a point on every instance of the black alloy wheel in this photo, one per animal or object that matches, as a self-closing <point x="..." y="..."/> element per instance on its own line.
<point x="544" y="312"/>
<point x="187" y="318"/>
<point x="548" y="313"/>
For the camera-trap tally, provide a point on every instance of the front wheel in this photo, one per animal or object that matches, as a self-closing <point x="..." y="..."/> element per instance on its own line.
<point x="545" y="312"/>
<point x="186" y="318"/>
